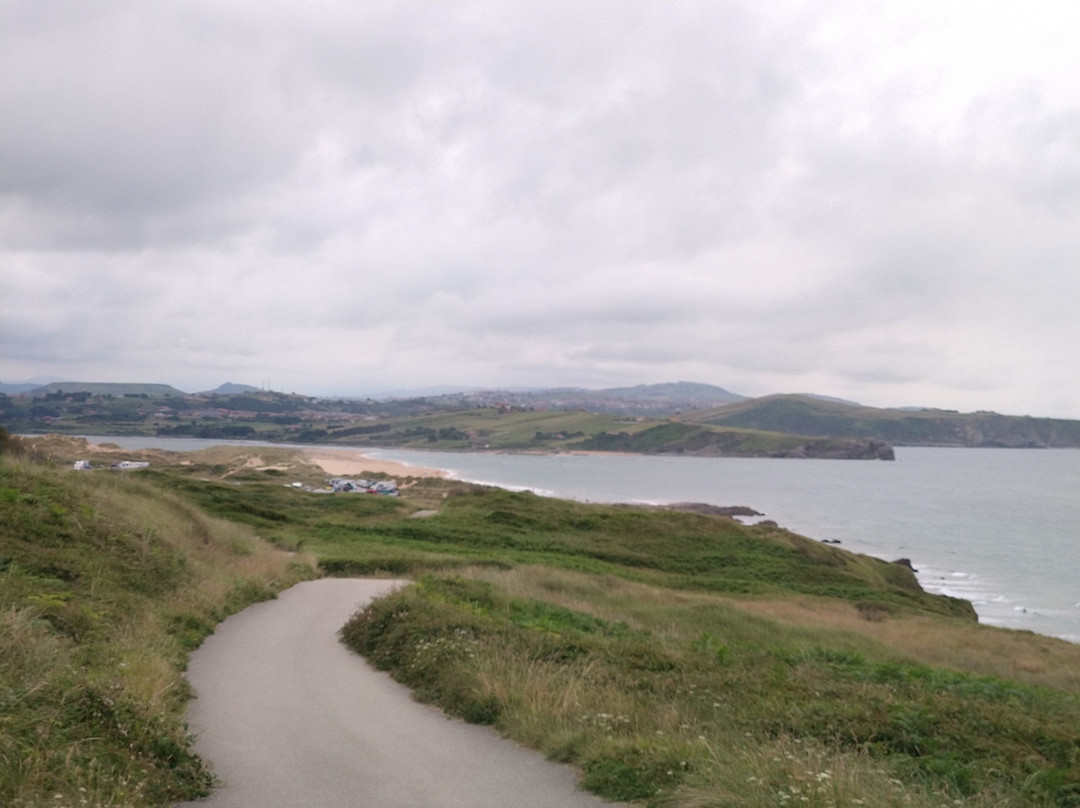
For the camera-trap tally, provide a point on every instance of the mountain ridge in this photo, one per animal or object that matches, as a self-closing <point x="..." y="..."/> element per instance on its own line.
<point x="809" y="415"/>
<point x="150" y="390"/>
<point x="817" y="417"/>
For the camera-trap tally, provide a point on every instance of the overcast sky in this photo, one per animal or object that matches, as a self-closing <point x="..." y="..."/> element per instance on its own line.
<point x="872" y="200"/>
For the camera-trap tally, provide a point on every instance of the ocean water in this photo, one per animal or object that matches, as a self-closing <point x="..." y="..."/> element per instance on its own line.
<point x="998" y="527"/>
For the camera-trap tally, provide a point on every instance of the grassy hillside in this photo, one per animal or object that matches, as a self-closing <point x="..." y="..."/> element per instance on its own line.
<point x="110" y="389"/>
<point x="277" y="417"/>
<point x="475" y="525"/>
<point x="548" y="430"/>
<point x="545" y="420"/>
<point x="679" y="659"/>
<point x="647" y="648"/>
<point x="693" y="439"/>
<point x="656" y="400"/>
<point x="481" y="428"/>
<point x="811" y="416"/>
<point x="687" y="660"/>
<point x="676" y="698"/>
<point x="105" y="584"/>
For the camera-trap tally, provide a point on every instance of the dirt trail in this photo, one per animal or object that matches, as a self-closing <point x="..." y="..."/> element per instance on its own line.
<point x="289" y="717"/>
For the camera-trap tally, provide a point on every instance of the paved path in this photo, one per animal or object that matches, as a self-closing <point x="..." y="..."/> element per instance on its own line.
<point x="289" y="718"/>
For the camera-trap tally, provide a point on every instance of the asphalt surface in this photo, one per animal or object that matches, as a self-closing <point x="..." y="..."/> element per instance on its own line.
<point x="287" y="716"/>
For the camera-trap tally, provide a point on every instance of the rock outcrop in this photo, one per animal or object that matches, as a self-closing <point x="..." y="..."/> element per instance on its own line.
<point x="842" y="449"/>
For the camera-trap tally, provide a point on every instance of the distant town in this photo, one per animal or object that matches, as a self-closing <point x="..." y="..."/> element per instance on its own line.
<point x="676" y="418"/>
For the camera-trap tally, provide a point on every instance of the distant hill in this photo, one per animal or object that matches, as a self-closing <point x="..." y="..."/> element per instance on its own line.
<point x="18" y="388"/>
<point x="836" y="400"/>
<point x="241" y="410"/>
<point x="413" y="392"/>
<point x="674" y="391"/>
<point x="818" y="417"/>
<point x="110" y="388"/>
<point x="229" y="389"/>
<point x="643" y="399"/>
<point x="23" y="386"/>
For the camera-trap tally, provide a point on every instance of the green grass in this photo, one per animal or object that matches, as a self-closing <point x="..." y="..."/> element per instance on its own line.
<point x="359" y="534"/>
<point x="677" y="659"/>
<point x="284" y="515"/>
<point x="105" y="584"/>
<point x="575" y="431"/>
<point x="489" y="428"/>
<point x="692" y="702"/>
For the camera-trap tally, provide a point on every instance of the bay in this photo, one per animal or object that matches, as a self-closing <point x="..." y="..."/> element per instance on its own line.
<point x="998" y="527"/>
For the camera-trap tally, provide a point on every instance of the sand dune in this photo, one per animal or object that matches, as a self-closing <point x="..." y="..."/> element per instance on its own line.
<point x="353" y="463"/>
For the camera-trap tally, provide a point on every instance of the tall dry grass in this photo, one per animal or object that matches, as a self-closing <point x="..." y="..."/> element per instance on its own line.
<point x="105" y="584"/>
<point x="985" y="650"/>
<point x="681" y="698"/>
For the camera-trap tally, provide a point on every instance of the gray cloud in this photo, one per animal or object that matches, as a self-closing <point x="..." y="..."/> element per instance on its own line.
<point x="876" y="202"/>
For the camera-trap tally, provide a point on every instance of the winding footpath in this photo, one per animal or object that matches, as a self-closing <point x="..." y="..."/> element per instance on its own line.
<point x="290" y="718"/>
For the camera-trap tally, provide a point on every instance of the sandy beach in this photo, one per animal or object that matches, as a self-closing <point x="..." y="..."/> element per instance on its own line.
<point x="354" y="463"/>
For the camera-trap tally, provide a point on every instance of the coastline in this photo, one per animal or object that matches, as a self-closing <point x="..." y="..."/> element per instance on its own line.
<point x="965" y="517"/>
<point x="336" y="461"/>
